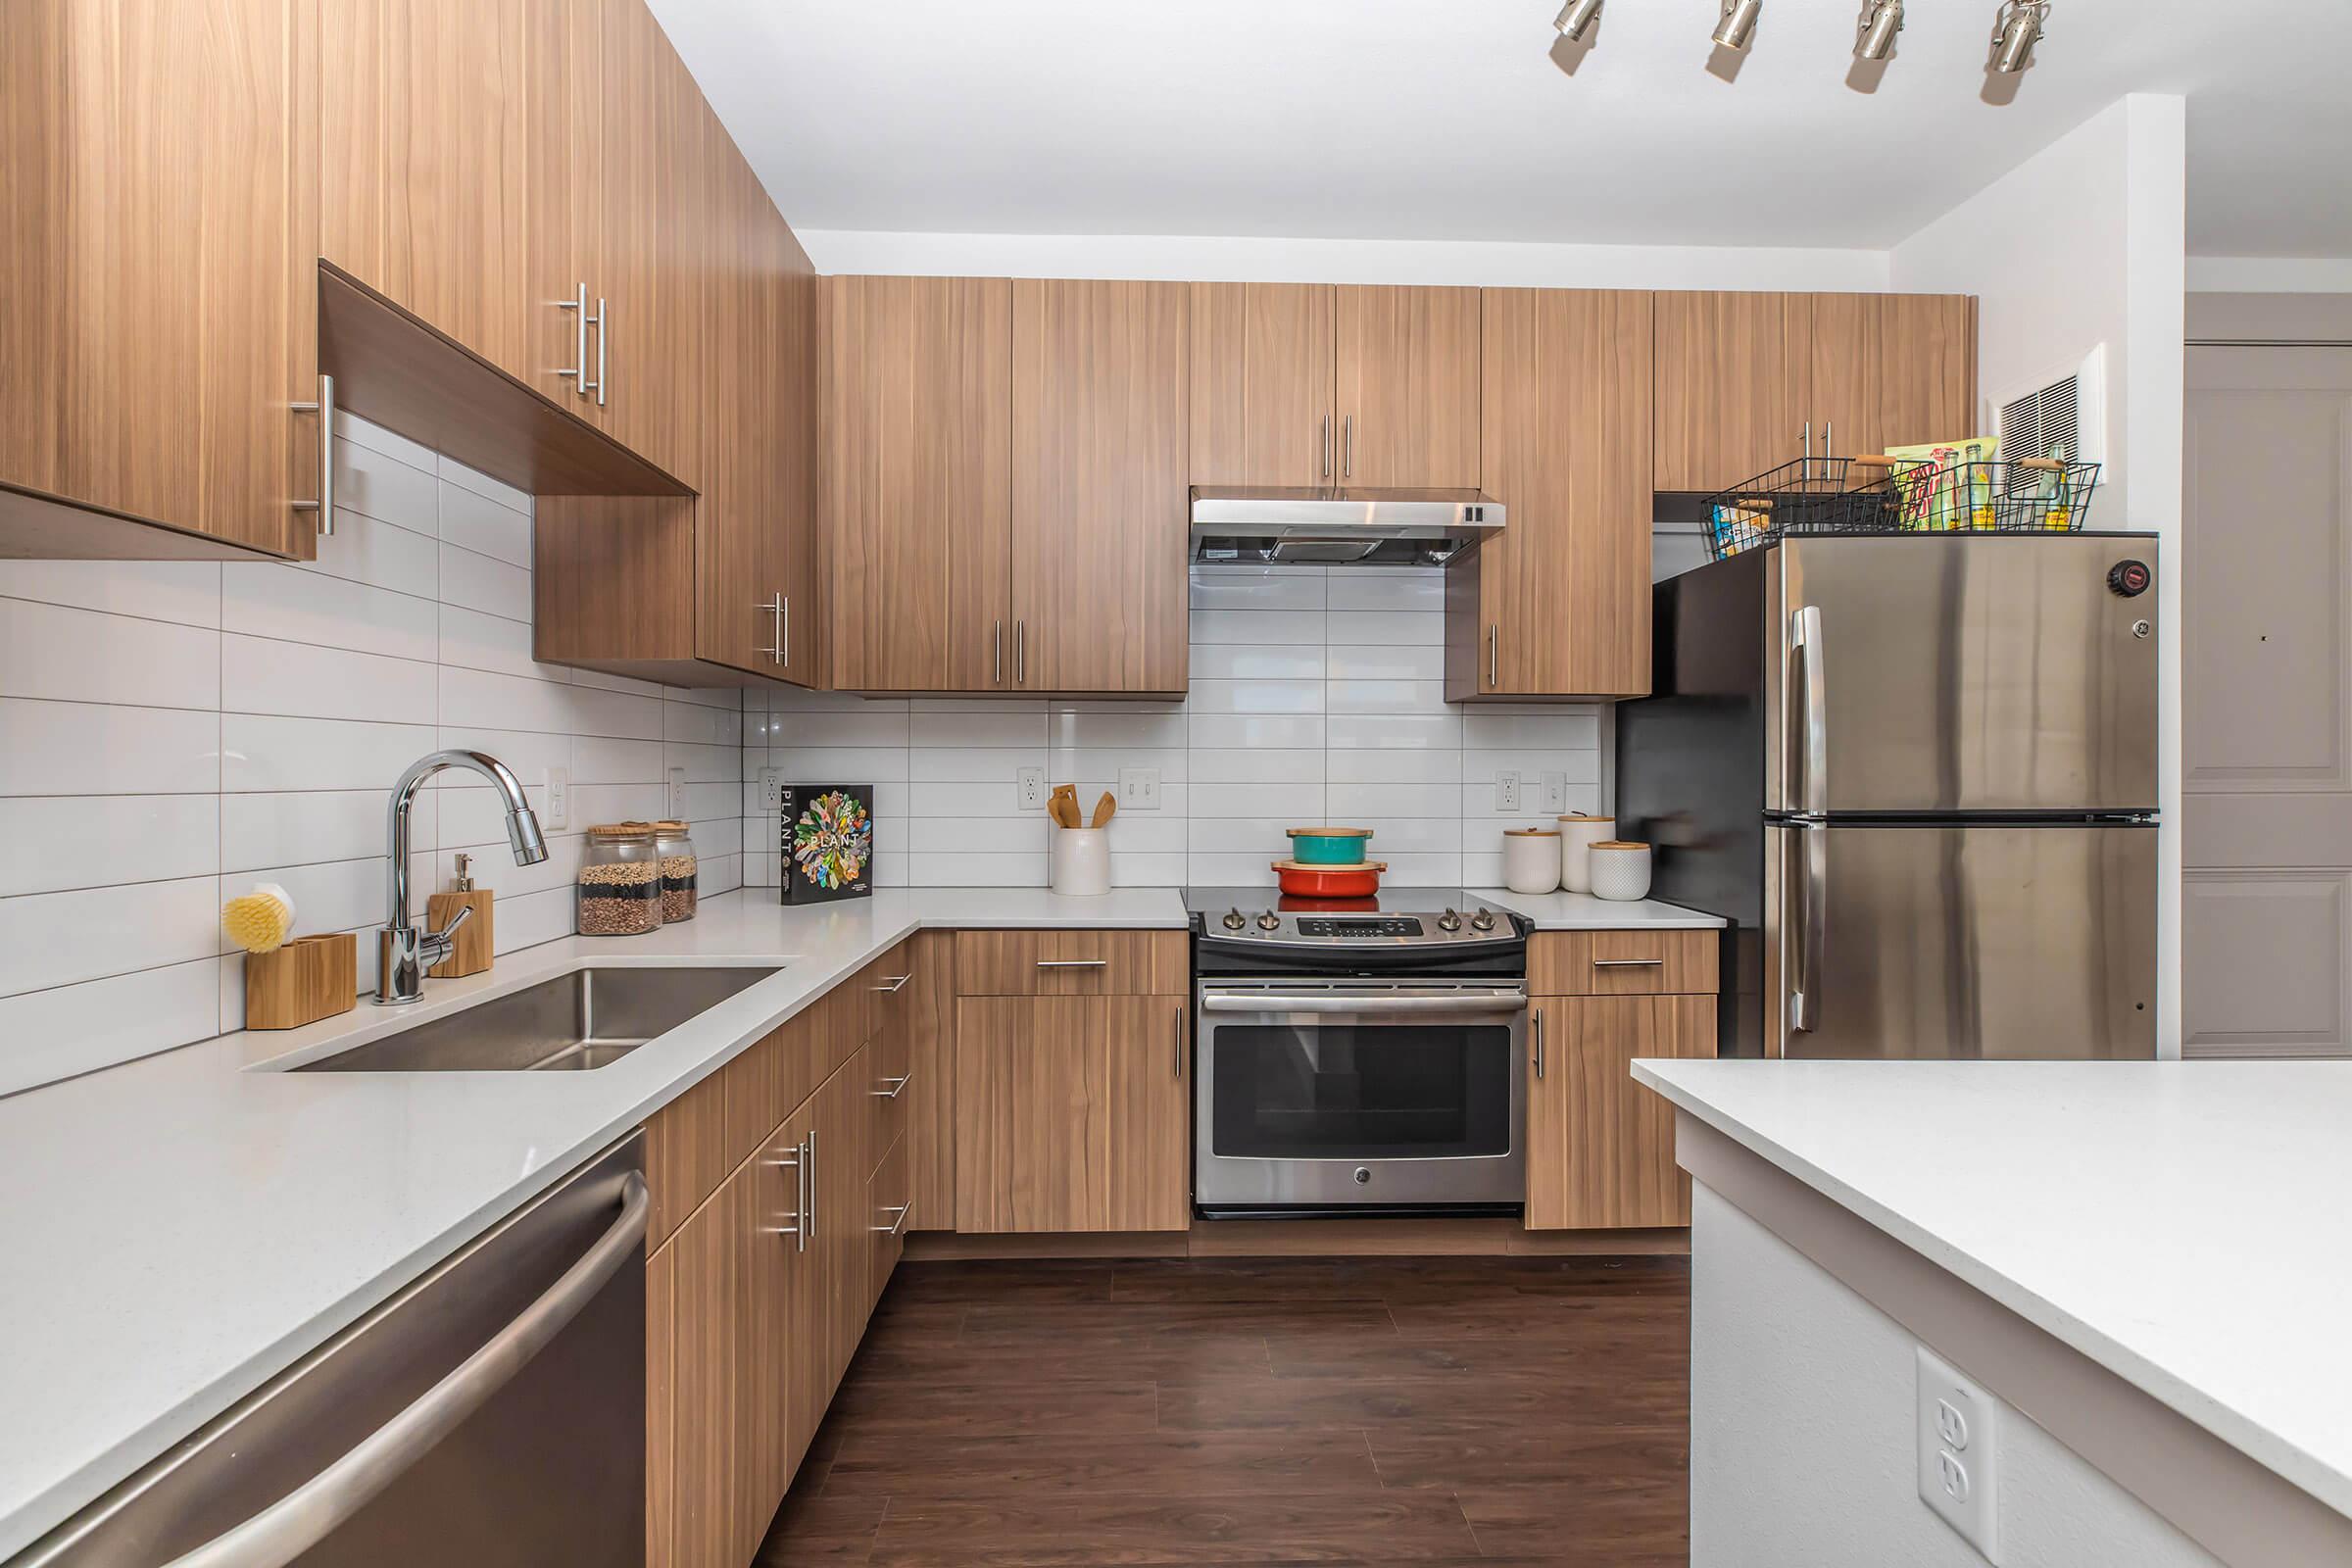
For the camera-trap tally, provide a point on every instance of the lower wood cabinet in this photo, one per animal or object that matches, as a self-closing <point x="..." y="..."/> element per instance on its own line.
<point x="1070" y="1113"/>
<point x="1600" y="1147"/>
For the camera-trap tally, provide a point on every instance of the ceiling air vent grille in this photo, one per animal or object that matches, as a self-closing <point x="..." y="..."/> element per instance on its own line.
<point x="2044" y="423"/>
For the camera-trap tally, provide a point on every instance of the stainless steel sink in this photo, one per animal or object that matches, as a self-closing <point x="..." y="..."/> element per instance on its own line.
<point x="574" y="1022"/>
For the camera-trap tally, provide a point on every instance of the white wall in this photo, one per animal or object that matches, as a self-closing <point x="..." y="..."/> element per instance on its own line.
<point x="171" y="732"/>
<point x="1316" y="696"/>
<point x="2082" y="246"/>
<point x="1803" y="1442"/>
<point x="1491" y="263"/>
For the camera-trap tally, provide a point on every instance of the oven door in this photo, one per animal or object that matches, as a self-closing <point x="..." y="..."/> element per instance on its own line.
<point x="1357" y="1093"/>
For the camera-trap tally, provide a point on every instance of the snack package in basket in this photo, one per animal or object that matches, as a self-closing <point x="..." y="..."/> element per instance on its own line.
<point x="1945" y="485"/>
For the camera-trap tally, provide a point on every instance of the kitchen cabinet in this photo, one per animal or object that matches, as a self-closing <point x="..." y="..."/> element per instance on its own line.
<point x="918" y="483"/>
<point x="1892" y="369"/>
<point x="709" y="1275"/>
<point x="1600" y="1147"/>
<point x="1070" y="1113"/>
<point x="160" y="244"/>
<point x="931" y="1097"/>
<point x="1100" y="552"/>
<point x="1407" y="386"/>
<point x="1557" y="605"/>
<point x="1264" y="367"/>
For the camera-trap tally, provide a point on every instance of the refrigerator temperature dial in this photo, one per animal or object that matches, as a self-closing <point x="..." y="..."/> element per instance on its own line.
<point x="2129" y="580"/>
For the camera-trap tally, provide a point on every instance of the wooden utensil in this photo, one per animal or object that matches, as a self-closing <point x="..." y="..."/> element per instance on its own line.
<point x="1062" y="805"/>
<point x="1104" y="809"/>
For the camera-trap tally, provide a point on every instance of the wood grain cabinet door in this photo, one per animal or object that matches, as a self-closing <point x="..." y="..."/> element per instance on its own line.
<point x="710" y="1466"/>
<point x="1892" y="369"/>
<point x="1263" y="364"/>
<point x="1562" y="595"/>
<point x="919" y="482"/>
<point x="1100" y="550"/>
<point x="1407" y="386"/>
<point x="1731" y="379"/>
<point x="1600" y="1145"/>
<point x="454" y="175"/>
<point x="160" y="249"/>
<point x="733" y="575"/>
<point x="1147" y="1112"/>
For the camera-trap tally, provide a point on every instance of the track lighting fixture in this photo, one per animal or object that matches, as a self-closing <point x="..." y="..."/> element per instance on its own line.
<point x="1738" y="22"/>
<point x="1576" y="18"/>
<point x="2015" y="28"/>
<point x="1877" y="40"/>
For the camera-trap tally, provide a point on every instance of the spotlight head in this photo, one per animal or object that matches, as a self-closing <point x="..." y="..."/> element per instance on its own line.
<point x="1877" y="40"/>
<point x="1739" y="23"/>
<point x="2015" y="28"/>
<point x="1576" y="18"/>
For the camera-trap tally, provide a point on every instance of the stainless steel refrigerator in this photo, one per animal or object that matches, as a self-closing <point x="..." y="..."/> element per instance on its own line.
<point x="1916" y="775"/>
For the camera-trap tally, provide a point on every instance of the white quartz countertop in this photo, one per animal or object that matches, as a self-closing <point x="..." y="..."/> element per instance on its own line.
<point x="179" y="1230"/>
<point x="2183" y="1224"/>
<point x="1581" y="912"/>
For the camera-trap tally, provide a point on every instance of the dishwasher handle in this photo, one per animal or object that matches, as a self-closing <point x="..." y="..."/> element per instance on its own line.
<point x="307" y="1515"/>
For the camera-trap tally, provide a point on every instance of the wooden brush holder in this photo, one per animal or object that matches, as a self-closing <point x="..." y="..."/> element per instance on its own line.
<point x="307" y="979"/>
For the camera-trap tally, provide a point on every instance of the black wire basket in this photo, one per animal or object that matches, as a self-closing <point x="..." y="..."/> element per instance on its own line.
<point x="1882" y="495"/>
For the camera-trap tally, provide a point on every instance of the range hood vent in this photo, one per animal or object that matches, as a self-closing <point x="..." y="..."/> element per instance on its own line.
<point x="1340" y="527"/>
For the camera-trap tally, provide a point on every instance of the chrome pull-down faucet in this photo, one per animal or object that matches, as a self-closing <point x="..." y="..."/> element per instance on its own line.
<point x="403" y="952"/>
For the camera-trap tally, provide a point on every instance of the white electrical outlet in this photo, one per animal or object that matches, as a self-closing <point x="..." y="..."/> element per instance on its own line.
<point x="1506" y="791"/>
<point x="1031" y="787"/>
<point x="559" y="799"/>
<point x="1555" y="791"/>
<point x="771" y="789"/>
<point x="1139" y="789"/>
<point x="677" y="792"/>
<point x="1957" y="1437"/>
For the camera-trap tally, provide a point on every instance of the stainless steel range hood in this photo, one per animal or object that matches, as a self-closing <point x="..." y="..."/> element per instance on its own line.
<point x="1340" y="527"/>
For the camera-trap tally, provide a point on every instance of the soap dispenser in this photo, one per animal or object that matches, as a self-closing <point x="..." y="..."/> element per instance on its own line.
<point x="471" y="953"/>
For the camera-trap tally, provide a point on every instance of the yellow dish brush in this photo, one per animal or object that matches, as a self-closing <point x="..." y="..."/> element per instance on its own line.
<point x="259" y="921"/>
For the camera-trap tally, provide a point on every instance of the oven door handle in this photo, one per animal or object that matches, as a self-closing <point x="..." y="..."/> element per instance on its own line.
<point x="1369" y="1002"/>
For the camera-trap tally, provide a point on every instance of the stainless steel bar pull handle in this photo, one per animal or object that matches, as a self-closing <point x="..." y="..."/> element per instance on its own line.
<point x="996" y="652"/>
<point x="1347" y="450"/>
<point x="577" y="375"/>
<point x="1493" y="652"/>
<point x="1804" y="640"/>
<point x="324" y="408"/>
<point x="1324" y="440"/>
<point x="898" y="1086"/>
<point x="783" y="630"/>
<point x="1829" y="439"/>
<point x="791" y="1163"/>
<point x="902" y="1210"/>
<point x="1804" y="999"/>
<point x="1808" y="439"/>
<point x="1073" y="963"/>
<point x="602" y="319"/>
<point x="1629" y="963"/>
<point x="809" y="1206"/>
<point x="314" y="1510"/>
<point x="898" y="983"/>
<point x="1539" y="1041"/>
<point x="1020" y="653"/>
<point x="774" y="606"/>
<point x="1176" y="1060"/>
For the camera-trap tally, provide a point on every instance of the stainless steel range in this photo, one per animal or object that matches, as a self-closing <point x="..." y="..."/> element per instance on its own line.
<point x="1359" y="1055"/>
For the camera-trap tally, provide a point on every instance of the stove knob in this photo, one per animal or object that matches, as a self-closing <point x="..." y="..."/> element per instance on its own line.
<point x="1233" y="921"/>
<point x="1449" y="921"/>
<point x="1482" y="920"/>
<point x="1269" y="922"/>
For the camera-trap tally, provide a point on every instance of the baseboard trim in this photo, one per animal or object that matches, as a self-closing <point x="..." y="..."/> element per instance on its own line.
<point x="1306" y="1238"/>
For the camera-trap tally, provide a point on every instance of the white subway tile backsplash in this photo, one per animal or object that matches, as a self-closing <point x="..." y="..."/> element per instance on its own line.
<point x="1355" y="661"/>
<point x="1258" y="697"/>
<point x="1388" y="590"/>
<point x="1256" y="661"/>
<point x="1406" y="627"/>
<point x="1258" y="627"/>
<point x="1419" y="732"/>
<point x="1239" y="730"/>
<point x="173" y="731"/>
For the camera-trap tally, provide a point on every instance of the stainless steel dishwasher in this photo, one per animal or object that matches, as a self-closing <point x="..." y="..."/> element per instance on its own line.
<point x="490" y="1415"/>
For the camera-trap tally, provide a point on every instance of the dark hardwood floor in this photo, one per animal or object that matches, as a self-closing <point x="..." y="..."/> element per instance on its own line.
<point x="1320" y="1410"/>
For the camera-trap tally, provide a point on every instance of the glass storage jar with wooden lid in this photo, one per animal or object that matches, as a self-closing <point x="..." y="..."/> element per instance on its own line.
<point x="680" y="891"/>
<point x="620" y="881"/>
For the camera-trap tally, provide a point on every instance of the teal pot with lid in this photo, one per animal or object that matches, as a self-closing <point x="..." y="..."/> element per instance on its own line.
<point x="1328" y="846"/>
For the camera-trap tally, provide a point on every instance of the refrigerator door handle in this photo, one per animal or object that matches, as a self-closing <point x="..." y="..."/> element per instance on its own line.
<point x="1813" y="897"/>
<point x="1804" y="640"/>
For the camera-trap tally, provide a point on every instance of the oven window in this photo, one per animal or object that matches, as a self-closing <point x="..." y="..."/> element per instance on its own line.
<point x="1360" y="1091"/>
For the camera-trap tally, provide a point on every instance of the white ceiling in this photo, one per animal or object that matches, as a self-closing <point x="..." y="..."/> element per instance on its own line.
<point x="1455" y="118"/>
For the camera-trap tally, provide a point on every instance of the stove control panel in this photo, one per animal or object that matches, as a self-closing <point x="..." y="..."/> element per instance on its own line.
<point x="1381" y="925"/>
<point x="1242" y="926"/>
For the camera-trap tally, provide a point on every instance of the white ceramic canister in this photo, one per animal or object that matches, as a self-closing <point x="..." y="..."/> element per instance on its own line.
<point x="1531" y="859"/>
<point x="1578" y="835"/>
<point x="1081" y="861"/>
<point x="1620" y="870"/>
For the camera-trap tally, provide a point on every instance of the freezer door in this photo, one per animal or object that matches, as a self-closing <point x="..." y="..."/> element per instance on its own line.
<point x="1959" y="673"/>
<point x="1986" y="940"/>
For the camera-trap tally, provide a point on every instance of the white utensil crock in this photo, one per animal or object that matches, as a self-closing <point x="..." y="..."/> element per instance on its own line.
<point x="1081" y="861"/>
<point x="1578" y="835"/>
<point x="1620" y="870"/>
<point x="1531" y="859"/>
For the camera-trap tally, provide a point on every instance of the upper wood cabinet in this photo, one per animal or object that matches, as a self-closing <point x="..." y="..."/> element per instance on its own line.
<point x="1892" y="369"/>
<point x="1265" y="384"/>
<point x="918" y="483"/>
<point x="462" y="146"/>
<point x="1728" y="377"/>
<point x="1100" y="548"/>
<point x="159" y="242"/>
<point x="1558" y="603"/>
<point x="1407" y="386"/>
<point x="1600" y="1147"/>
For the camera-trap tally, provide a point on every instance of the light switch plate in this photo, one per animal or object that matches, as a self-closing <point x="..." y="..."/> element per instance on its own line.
<point x="559" y="799"/>
<point x="677" y="792"/>
<point x="1030" y="789"/>
<point x="1139" y="789"/>
<point x="1959" y="1443"/>
<point x="771" y="789"/>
